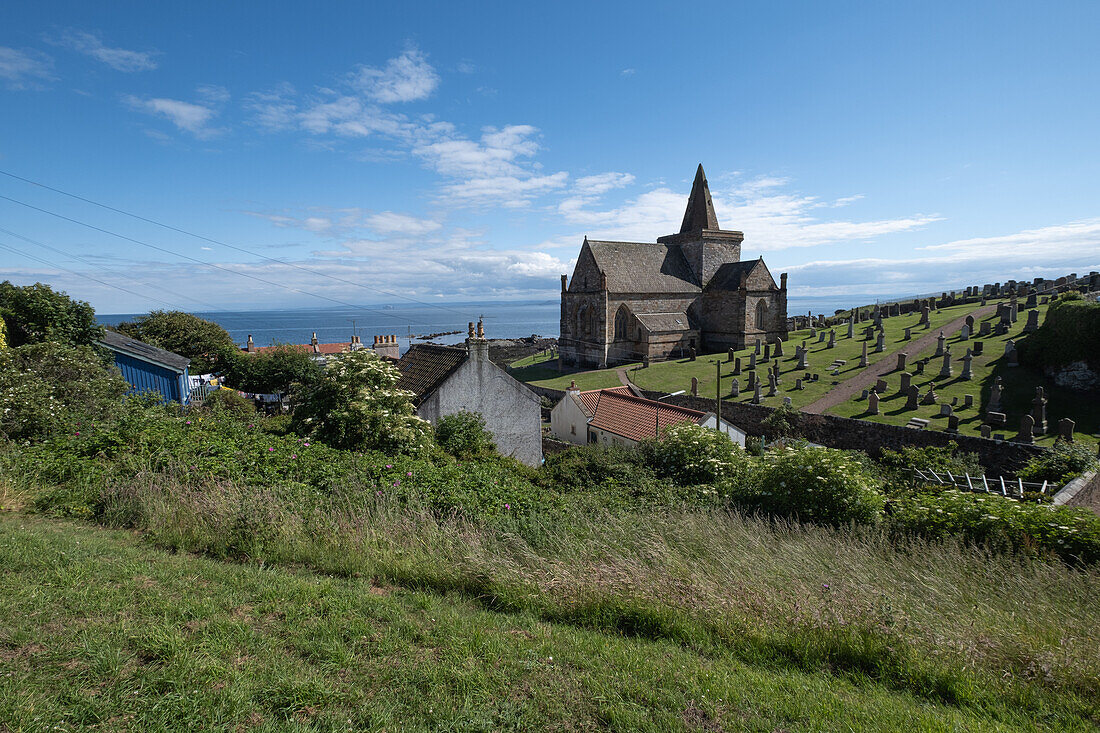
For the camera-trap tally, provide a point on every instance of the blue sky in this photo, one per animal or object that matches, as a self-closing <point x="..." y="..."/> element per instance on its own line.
<point x="458" y="153"/>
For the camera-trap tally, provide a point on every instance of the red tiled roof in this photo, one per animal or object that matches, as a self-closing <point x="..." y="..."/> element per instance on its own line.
<point x="635" y="417"/>
<point x="304" y="348"/>
<point x="590" y="398"/>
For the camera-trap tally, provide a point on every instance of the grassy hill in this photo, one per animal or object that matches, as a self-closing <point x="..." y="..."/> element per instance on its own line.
<point x="98" y="629"/>
<point x="1019" y="382"/>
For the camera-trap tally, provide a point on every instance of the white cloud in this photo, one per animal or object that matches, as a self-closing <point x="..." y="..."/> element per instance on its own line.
<point x="601" y="183"/>
<point x="628" y="72"/>
<point x="1061" y="248"/>
<point x="391" y="222"/>
<point x="24" y="69"/>
<point x="188" y="116"/>
<point x="119" y="59"/>
<point x="406" y="78"/>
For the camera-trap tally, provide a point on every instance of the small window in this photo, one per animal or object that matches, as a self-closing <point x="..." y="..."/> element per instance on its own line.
<point x="573" y="429"/>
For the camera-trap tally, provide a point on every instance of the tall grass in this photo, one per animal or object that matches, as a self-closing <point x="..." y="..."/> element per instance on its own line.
<point x="945" y="621"/>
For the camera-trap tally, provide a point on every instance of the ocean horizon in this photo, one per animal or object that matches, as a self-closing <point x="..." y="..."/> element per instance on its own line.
<point x="503" y="319"/>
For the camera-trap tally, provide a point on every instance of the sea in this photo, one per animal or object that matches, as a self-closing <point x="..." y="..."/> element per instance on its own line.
<point x="411" y="323"/>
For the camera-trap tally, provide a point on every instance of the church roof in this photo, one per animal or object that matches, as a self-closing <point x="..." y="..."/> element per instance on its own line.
<point x="424" y="367"/>
<point x="657" y="322"/>
<point x="634" y="267"/>
<point x="700" y="209"/>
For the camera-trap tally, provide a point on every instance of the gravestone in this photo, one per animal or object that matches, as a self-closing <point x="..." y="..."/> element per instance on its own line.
<point x="939" y="345"/>
<point x="1010" y="352"/>
<point x="908" y="333"/>
<point x="970" y="324"/>
<point x="995" y="396"/>
<point x="813" y="332"/>
<point x="929" y="396"/>
<point x="803" y="359"/>
<point x="968" y="400"/>
<point x="735" y="388"/>
<point x="1032" y="300"/>
<point x="998" y="419"/>
<point x="778" y="349"/>
<point x="1044" y="300"/>
<point x="945" y="369"/>
<point x="729" y="356"/>
<point x="752" y="361"/>
<point x="694" y="387"/>
<point x="737" y="365"/>
<point x="906" y="380"/>
<point x="964" y="333"/>
<point x="863" y="395"/>
<point x="987" y="431"/>
<point x="756" y="348"/>
<point x="787" y="401"/>
<point x="1027" y="430"/>
<point x="691" y="354"/>
<point x="881" y="386"/>
<point x="918" y="368"/>
<point x="798" y="385"/>
<point x="984" y="328"/>
<point x="821" y="337"/>
<point x="924" y="320"/>
<point x="1065" y="429"/>
<point x="946" y="410"/>
<point x="979" y="347"/>
<point x="752" y="380"/>
<point x="767" y="352"/>
<point x="863" y="356"/>
<point x="872" y="403"/>
<point x="902" y="356"/>
<point x="1039" y="411"/>
<point x="771" y="384"/>
<point x="851" y="328"/>
<point x="911" y="399"/>
<point x="880" y="342"/>
<point x="1032" y="322"/>
<point x="832" y="339"/>
<point x="1013" y="310"/>
<point x="952" y="423"/>
<point x="756" y="394"/>
<point x="966" y="372"/>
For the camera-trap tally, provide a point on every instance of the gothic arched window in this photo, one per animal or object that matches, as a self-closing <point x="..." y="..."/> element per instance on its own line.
<point x="761" y="315"/>
<point x="582" y="321"/>
<point x="622" y="320"/>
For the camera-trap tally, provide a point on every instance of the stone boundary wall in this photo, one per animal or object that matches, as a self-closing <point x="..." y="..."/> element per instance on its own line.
<point x="996" y="456"/>
<point x="1081" y="491"/>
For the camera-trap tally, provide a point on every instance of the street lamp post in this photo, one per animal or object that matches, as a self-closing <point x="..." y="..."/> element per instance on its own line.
<point x="657" y="413"/>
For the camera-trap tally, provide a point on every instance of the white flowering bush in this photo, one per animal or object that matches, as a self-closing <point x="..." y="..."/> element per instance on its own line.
<point x="356" y="405"/>
<point x="691" y="454"/>
<point x="51" y="388"/>
<point x="818" y="485"/>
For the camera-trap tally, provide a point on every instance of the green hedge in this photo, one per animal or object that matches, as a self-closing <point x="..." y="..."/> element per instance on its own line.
<point x="1071" y="332"/>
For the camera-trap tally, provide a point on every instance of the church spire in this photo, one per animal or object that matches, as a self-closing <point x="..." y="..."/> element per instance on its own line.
<point x="700" y="210"/>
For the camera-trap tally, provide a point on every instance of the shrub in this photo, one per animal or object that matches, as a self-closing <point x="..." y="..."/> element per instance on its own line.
<point x="47" y="388"/>
<point x="356" y="405"/>
<point x="1001" y="523"/>
<point x="1061" y="464"/>
<point x="463" y="435"/>
<point x="1070" y="332"/>
<point x="185" y="334"/>
<point x="781" y="422"/>
<point x="272" y="371"/>
<point x="818" y="485"/>
<point x="36" y="313"/>
<point x="590" y="467"/>
<point x="228" y="402"/>
<point x="691" y="454"/>
<point x="897" y="466"/>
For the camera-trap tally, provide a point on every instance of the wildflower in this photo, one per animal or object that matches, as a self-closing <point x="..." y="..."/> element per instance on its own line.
<point x="389" y="465"/>
<point x="78" y="432"/>
<point x="507" y="506"/>
<point x="293" y="455"/>
<point x="408" y="473"/>
<point x="271" y="450"/>
<point x="188" y="422"/>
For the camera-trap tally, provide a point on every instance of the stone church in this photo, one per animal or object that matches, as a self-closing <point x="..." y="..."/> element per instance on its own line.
<point x="632" y="301"/>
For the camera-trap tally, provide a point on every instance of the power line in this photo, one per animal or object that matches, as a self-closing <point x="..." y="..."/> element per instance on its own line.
<point x="80" y="274"/>
<point x="207" y="264"/>
<point x="91" y="263"/>
<point x="225" y="244"/>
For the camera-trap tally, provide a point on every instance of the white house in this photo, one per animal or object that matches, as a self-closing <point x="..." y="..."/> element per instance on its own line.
<point x="617" y="416"/>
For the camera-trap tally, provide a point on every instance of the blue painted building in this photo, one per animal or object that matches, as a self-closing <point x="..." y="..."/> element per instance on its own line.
<point x="149" y="369"/>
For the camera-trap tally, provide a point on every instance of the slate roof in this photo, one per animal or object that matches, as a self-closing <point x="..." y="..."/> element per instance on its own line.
<point x="658" y="322"/>
<point x="115" y="341"/>
<point x="730" y="275"/>
<point x="700" y="210"/>
<point x="424" y="367"/>
<point x="636" y="267"/>
<point x="634" y="417"/>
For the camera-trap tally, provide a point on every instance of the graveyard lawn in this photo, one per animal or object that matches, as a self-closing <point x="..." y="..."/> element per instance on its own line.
<point x="1018" y="382"/>
<point x="100" y="630"/>
<point x="671" y="376"/>
<point x="542" y="371"/>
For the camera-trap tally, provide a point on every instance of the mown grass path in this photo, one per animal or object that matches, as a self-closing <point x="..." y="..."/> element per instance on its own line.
<point x="845" y="390"/>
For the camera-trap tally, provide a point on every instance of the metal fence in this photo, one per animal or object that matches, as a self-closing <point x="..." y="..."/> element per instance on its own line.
<point x="1014" y="489"/>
